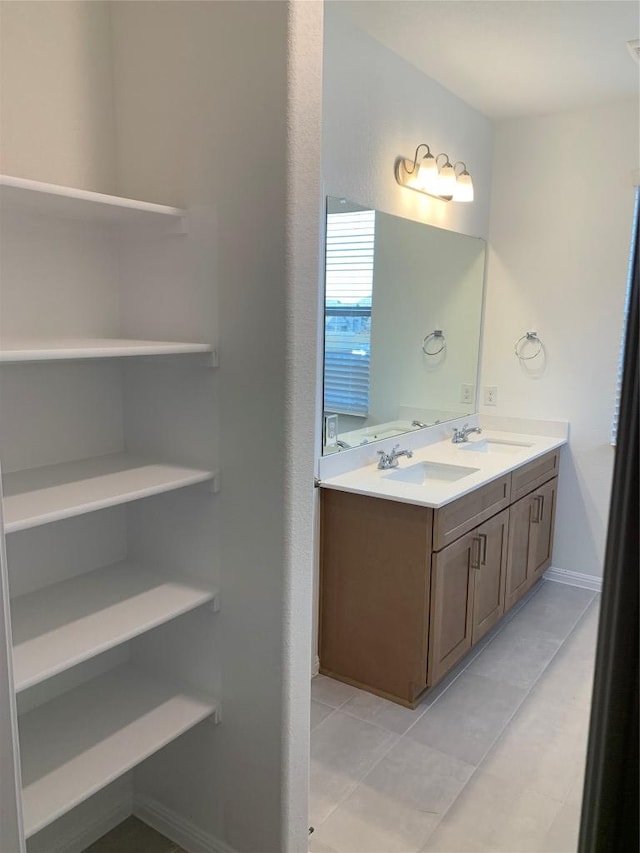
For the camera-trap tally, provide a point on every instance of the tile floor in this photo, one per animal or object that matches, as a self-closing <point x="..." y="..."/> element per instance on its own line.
<point x="492" y="760"/>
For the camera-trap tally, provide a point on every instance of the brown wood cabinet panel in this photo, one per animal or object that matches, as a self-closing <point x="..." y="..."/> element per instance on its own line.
<point x="531" y="521"/>
<point x="490" y="573"/>
<point x="542" y="521"/>
<point x="374" y="592"/>
<point x="518" y="550"/>
<point x="450" y="629"/>
<point x="457" y="518"/>
<point x="534" y="474"/>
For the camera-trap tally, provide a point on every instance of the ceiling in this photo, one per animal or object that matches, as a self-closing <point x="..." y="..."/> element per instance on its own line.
<point x="512" y="57"/>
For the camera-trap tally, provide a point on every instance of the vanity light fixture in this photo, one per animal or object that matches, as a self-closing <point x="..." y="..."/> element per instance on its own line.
<point x="435" y="176"/>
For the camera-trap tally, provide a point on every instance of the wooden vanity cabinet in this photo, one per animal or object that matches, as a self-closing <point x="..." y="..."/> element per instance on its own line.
<point x="530" y="540"/>
<point x="406" y="591"/>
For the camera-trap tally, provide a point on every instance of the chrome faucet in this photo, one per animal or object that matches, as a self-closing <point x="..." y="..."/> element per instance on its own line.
<point x="418" y="424"/>
<point x="390" y="460"/>
<point x="462" y="435"/>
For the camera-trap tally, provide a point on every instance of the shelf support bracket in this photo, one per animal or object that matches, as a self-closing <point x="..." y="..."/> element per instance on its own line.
<point x="213" y="485"/>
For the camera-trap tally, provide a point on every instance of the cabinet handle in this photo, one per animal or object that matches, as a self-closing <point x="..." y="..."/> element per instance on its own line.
<point x="483" y="540"/>
<point x="541" y="506"/>
<point x="537" y="517"/>
<point x="475" y="558"/>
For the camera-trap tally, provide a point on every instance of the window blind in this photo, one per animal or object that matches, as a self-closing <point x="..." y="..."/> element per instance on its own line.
<point x="634" y="248"/>
<point x="349" y="288"/>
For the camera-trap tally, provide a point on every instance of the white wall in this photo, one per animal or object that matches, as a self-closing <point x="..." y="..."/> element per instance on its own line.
<point x="562" y="205"/>
<point x="376" y="107"/>
<point x="304" y="226"/>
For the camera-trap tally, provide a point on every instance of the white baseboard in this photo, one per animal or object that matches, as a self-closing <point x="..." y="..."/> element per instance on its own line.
<point x="86" y="833"/>
<point x="316" y="667"/>
<point x="177" y="828"/>
<point x="591" y="582"/>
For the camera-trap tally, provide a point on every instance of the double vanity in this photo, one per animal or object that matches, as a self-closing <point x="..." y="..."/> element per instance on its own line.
<point x="420" y="560"/>
<point x="422" y="556"/>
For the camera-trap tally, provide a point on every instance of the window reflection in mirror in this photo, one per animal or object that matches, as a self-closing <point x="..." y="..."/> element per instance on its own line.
<point x="403" y="304"/>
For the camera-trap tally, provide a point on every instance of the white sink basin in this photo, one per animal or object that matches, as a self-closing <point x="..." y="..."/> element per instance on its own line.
<point x="494" y="445"/>
<point x="429" y="472"/>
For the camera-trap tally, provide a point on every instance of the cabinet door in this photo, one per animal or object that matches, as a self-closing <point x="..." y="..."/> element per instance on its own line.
<point x="451" y="605"/>
<point x="490" y="571"/>
<point x="517" y="580"/>
<point x="541" y="539"/>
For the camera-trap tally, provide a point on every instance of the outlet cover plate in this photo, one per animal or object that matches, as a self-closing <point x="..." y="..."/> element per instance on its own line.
<point x="491" y="395"/>
<point x="467" y="394"/>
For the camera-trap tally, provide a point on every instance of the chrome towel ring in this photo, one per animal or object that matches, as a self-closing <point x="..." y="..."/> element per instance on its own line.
<point x="436" y="335"/>
<point x="519" y="344"/>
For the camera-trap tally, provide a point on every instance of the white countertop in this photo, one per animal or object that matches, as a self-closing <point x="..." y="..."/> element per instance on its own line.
<point x="369" y="480"/>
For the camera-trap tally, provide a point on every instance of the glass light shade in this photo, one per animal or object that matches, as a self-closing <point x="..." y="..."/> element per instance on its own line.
<point x="446" y="180"/>
<point x="464" y="188"/>
<point x="428" y="174"/>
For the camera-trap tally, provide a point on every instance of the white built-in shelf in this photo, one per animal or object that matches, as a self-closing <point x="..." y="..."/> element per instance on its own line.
<point x="60" y="349"/>
<point x="78" y="743"/>
<point x="41" y="495"/>
<point x="28" y="196"/>
<point x="62" y="625"/>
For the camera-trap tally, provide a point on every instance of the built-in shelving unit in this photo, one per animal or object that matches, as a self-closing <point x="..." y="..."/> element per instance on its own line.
<point x="65" y="349"/>
<point x="76" y="744"/>
<point x="24" y="195"/>
<point x="60" y="626"/>
<point x="53" y="492"/>
<point x="65" y="611"/>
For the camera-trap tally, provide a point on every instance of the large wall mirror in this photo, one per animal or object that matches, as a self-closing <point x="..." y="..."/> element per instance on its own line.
<point x="403" y="309"/>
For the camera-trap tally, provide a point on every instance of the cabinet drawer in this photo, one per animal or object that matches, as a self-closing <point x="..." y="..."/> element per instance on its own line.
<point x="529" y="477"/>
<point x="458" y="517"/>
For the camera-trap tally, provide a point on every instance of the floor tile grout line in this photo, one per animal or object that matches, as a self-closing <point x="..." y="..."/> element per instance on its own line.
<point x="499" y="735"/>
<point x="527" y="690"/>
<point x="509" y="721"/>
<point x="335" y="707"/>
<point x="471" y="658"/>
<point x="396" y="738"/>
<point x="504" y="728"/>
<point x="479" y="652"/>
<point x="380" y="726"/>
<point x="324" y="720"/>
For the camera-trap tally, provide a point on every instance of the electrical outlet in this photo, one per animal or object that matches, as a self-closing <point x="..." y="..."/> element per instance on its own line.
<point x="467" y="394"/>
<point x="491" y="395"/>
<point x="331" y="430"/>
